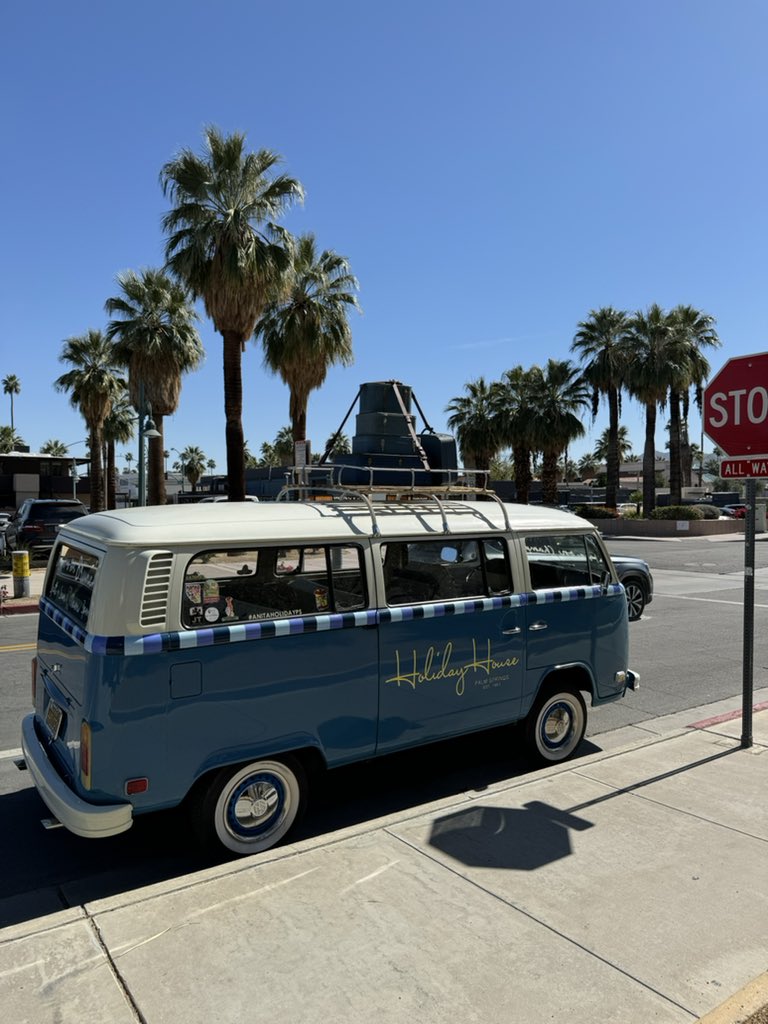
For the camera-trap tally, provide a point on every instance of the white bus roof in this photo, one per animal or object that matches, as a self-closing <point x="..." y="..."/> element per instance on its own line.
<point x="231" y="523"/>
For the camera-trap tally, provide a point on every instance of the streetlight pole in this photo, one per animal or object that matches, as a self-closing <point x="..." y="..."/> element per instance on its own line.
<point x="73" y="471"/>
<point x="181" y="462"/>
<point x="146" y="429"/>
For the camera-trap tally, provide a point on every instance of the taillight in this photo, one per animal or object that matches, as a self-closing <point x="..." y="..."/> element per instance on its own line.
<point x="34" y="681"/>
<point x="85" y="754"/>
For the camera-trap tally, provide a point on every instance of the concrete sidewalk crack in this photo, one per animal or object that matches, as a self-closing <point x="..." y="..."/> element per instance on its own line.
<point x="543" y="924"/>
<point x="116" y="974"/>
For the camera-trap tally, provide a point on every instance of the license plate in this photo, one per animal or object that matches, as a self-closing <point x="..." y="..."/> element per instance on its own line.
<point x="53" y="717"/>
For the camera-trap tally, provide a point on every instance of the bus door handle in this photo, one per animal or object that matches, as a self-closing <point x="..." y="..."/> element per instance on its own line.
<point x="511" y="632"/>
<point x="535" y="626"/>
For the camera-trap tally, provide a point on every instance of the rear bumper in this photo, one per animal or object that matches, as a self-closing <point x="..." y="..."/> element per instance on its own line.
<point x="74" y="813"/>
<point x="633" y="680"/>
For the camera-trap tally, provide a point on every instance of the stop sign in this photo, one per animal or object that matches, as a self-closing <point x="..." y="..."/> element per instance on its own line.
<point x="736" y="406"/>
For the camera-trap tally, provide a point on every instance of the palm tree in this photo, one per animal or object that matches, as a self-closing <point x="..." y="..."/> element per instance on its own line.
<point x="11" y="387"/>
<point x="587" y="466"/>
<point x="94" y="384"/>
<point x="54" y="447"/>
<point x="250" y="459"/>
<point x="193" y="460"/>
<point x="9" y="439"/>
<point x="474" y="419"/>
<point x="337" y="445"/>
<point x="621" y="441"/>
<point x="648" y="379"/>
<point x="512" y="409"/>
<point x="119" y="428"/>
<point x="223" y="246"/>
<point x="156" y="339"/>
<point x="129" y="459"/>
<point x="307" y="331"/>
<point x="601" y="346"/>
<point x="691" y="331"/>
<point x="558" y="401"/>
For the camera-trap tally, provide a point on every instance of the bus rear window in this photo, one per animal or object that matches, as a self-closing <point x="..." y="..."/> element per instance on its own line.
<point x="71" y="580"/>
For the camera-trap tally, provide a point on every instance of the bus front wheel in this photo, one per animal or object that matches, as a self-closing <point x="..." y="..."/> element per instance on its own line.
<point x="555" y="725"/>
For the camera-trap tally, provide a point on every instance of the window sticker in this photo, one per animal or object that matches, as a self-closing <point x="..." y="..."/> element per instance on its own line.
<point x="259" y="584"/>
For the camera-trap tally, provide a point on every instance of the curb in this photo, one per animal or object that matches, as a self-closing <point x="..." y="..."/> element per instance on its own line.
<point x="17" y="606"/>
<point x="748" y="1006"/>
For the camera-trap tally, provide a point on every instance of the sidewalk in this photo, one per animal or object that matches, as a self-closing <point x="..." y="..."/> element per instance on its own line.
<point x="628" y="886"/>
<point x="11" y="605"/>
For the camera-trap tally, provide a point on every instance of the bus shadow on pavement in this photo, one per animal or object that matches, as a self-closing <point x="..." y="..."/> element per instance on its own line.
<point x="49" y="871"/>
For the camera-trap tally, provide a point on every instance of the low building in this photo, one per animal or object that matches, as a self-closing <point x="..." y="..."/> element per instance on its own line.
<point x="25" y="474"/>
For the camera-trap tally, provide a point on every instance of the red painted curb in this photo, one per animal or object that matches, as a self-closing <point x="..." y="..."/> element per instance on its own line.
<point x="727" y="717"/>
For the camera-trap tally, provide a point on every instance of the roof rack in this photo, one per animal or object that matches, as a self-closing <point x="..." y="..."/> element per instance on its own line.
<point x="461" y="483"/>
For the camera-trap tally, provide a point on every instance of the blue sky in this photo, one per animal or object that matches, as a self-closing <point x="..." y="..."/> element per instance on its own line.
<point x="492" y="170"/>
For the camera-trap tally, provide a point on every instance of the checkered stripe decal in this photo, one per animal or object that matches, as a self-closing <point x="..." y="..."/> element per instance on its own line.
<point x="179" y="640"/>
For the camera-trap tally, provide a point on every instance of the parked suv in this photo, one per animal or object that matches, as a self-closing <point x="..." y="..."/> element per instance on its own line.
<point x="635" y="575"/>
<point x="34" y="527"/>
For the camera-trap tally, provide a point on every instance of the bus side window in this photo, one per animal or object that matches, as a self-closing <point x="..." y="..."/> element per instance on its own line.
<point x="598" y="566"/>
<point x="448" y="569"/>
<point x="559" y="560"/>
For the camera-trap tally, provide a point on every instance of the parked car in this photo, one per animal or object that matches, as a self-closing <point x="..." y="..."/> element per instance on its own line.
<point x="734" y="511"/>
<point x="5" y="518"/>
<point x="635" y="575"/>
<point x="223" y="497"/>
<point x="35" y="525"/>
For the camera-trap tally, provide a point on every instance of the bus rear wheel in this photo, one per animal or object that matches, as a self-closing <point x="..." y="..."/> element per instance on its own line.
<point x="555" y="725"/>
<point x="250" y="808"/>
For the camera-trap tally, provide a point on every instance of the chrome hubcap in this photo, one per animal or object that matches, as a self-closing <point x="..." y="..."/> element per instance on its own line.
<point x="557" y="725"/>
<point x="255" y="804"/>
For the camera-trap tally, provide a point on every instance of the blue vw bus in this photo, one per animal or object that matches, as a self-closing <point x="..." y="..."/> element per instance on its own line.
<point x="219" y="655"/>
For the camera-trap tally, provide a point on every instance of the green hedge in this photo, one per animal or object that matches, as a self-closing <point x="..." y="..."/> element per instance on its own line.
<point x="595" y="512"/>
<point x="709" y="511"/>
<point x="690" y="512"/>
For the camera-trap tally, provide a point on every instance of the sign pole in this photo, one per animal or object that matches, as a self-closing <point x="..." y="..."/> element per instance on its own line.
<point x="749" y="615"/>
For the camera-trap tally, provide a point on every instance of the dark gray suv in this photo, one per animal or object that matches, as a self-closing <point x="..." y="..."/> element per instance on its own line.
<point x="34" y="527"/>
<point x="635" y="575"/>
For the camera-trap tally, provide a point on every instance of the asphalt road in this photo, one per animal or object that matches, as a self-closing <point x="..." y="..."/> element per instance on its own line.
<point x="688" y="649"/>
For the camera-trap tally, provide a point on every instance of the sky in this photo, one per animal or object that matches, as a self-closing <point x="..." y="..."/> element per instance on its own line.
<point x="493" y="171"/>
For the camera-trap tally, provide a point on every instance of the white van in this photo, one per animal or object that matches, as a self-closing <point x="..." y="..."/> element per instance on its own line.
<point x="220" y="657"/>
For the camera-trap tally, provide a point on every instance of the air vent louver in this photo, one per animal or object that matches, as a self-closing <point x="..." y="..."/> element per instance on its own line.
<point x="154" y="603"/>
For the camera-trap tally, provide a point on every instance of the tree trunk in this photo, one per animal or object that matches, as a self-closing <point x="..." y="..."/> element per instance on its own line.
<point x="111" y="482"/>
<point x="97" y="476"/>
<point x="155" y="468"/>
<point x="521" y="457"/>
<point x="686" y="455"/>
<point x="649" y="460"/>
<point x="612" y="454"/>
<point x="233" y="412"/>
<point x="298" y="413"/>
<point x="675" y="478"/>
<point x="549" y="478"/>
